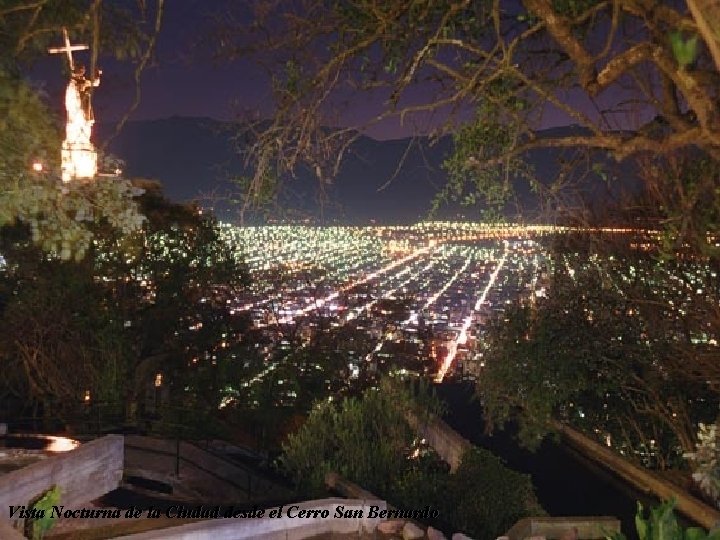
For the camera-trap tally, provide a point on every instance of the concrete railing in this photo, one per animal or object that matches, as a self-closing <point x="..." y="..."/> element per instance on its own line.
<point x="347" y="488"/>
<point x="447" y="442"/>
<point x="588" y="528"/>
<point x="451" y="446"/>
<point x="216" y="477"/>
<point x="284" y="527"/>
<point x="84" y="474"/>
<point x="694" y="508"/>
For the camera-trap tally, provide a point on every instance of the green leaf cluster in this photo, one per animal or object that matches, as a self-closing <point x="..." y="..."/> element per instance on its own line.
<point x="684" y="51"/>
<point x="45" y="503"/>
<point x="482" y="498"/>
<point x="139" y="304"/>
<point x="363" y="439"/>
<point x="661" y="524"/>
<point x="601" y="352"/>
<point x="690" y="207"/>
<point x="470" y="180"/>
<point x="572" y="8"/>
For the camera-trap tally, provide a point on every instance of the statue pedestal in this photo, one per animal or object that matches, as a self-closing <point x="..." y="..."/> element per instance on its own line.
<point x="78" y="160"/>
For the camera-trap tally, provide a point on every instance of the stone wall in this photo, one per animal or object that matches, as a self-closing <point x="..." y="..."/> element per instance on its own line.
<point x="346" y="488"/>
<point x="588" y="528"/>
<point x="282" y="528"/>
<point x="447" y="442"/>
<point x="645" y="480"/>
<point x="83" y="475"/>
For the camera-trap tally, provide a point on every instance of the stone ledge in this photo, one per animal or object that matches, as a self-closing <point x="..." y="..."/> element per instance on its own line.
<point x="8" y="532"/>
<point x="83" y="474"/>
<point x="588" y="528"/>
<point x="284" y="528"/>
<point x="643" y="479"/>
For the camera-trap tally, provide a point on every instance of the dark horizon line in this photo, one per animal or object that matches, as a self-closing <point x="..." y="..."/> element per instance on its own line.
<point x="113" y="122"/>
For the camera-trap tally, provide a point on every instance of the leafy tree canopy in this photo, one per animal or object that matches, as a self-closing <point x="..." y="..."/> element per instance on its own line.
<point x="154" y="301"/>
<point x="622" y="347"/>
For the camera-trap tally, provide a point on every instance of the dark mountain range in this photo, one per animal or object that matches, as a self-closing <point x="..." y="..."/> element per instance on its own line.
<point x="195" y="157"/>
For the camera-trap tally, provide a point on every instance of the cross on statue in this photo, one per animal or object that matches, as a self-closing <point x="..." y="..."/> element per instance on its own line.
<point x="68" y="48"/>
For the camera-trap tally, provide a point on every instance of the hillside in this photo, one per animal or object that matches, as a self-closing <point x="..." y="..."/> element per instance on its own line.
<point x="194" y="157"/>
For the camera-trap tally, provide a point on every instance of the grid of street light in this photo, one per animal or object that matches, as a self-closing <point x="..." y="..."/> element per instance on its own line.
<point x="416" y="301"/>
<point x="421" y="294"/>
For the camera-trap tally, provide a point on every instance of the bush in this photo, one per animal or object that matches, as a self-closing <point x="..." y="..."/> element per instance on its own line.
<point x="706" y="460"/>
<point x="368" y="441"/>
<point x="363" y="440"/>
<point x="488" y="498"/>
<point x="37" y="528"/>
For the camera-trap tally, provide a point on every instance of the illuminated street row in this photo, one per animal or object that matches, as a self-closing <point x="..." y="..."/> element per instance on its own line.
<point x="447" y="278"/>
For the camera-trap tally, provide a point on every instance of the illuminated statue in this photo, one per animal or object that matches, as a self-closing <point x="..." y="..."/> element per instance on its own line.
<point x="79" y="107"/>
<point x="79" y="157"/>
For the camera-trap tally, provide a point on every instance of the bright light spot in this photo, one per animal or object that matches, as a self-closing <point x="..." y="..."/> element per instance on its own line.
<point x="61" y="444"/>
<point x="78" y="162"/>
<point x="452" y="349"/>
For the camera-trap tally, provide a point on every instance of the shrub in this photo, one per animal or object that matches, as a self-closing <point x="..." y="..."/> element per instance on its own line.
<point x="368" y="441"/>
<point x="706" y="459"/>
<point x="37" y="528"/>
<point x="661" y="524"/>
<point x="487" y="497"/>
<point x="363" y="440"/>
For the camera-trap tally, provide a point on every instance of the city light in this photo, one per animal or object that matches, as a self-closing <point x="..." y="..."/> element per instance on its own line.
<point x="462" y="336"/>
<point x="421" y="292"/>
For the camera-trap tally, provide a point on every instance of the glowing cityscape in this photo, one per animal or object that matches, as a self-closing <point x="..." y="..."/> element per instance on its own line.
<point x="419" y="295"/>
<point x="411" y="301"/>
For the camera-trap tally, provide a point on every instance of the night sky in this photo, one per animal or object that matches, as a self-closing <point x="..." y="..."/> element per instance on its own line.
<point x="191" y="76"/>
<point x="183" y="80"/>
<point x="187" y="79"/>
